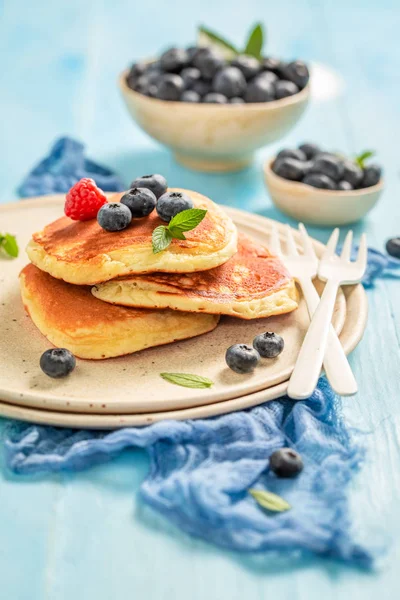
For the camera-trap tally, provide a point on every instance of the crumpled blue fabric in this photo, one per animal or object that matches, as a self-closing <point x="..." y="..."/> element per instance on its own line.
<point x="379" y="265"/>
<point x="63" y="167"/>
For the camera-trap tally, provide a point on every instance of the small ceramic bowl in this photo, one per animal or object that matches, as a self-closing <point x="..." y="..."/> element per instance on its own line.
<point x="214" y="137"/>
<point x="319" y="207"/>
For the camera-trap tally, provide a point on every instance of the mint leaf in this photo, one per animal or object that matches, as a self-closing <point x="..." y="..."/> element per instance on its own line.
<point x="206" y="37"/>
<point x="255" y="42"/>
<point x="269" y="500"/>
<point x="161" y="239"/>
<point x="9" y="245"/>
<point x="187" y="380"/>
<point x="187" y="219"/>
<point x="362" y="157"/>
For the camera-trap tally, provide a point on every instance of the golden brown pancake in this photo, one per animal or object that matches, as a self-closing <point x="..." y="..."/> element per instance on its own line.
<point x="251" y="285"/>
<point x="84" y="253"/>
<point x="71" y="317"/>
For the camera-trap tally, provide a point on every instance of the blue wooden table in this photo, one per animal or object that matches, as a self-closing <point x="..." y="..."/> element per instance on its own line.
<point x="88" y="535"/>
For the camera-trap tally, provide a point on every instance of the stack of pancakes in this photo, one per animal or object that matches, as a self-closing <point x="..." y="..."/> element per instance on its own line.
<point x="103" y="294"/>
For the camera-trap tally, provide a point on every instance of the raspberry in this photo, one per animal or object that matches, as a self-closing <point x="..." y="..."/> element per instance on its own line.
<point x="84" y="200"/>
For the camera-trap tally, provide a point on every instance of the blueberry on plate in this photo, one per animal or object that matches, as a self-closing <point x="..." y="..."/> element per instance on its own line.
<point x="140" y="201"/>
<point x="156" y="183"/>
<point x="310" y="150"/>
<point x="172" y="203"/>
<point x="114" y="216"/>
<point x="297" y="72"/>
<point x="329" y="165"/>
<point x="57" y="362"/>
<point x="190" y="96"/>
<point x="289" y="168"/>
<point x="215" y="98"/>
<point x="352" y="173"/>
<point x="286" y="462"/>
<point x="320" y="181"/>
<point x="259" y="90"/>
<point x="291" y="153"/>
<point x="268" y="344"/>
<point x="173" y="60"/>
<point x="190" y="75"/>
<point x="372" y="175"/>
<point x="344" y="186"/>
<point x="170" y="87"/>
<point x="201" y="87"/>
<point x="208" y="61"/>
<point x="249" y="66"/>
<point x="236" y="100"/>
<point x="393" y="247"/>
<point x="283" y="89"/>
<point x="230" y="82"/>
<point x="242" y="358"/>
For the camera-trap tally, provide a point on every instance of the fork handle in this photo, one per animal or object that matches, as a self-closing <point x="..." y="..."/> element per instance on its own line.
<point x="307" y="369"/>
<point x="336" y="365"/>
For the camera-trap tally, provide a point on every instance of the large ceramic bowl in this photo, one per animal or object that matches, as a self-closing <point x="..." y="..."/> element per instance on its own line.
<point x="319" y="207"/>
<point x="214" y="137"/>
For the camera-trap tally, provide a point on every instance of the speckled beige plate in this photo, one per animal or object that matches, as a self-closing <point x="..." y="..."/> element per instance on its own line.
<point x="132" y="384"/>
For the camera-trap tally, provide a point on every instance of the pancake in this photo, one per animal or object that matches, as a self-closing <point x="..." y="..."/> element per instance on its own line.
<point x="71" y="317"/>
<point x="84" y="253"/>
<point x="251" y="285"/>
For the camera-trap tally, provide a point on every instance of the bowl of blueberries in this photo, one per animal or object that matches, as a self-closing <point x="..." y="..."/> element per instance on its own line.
<point x="323" y="188"/>
<point x="215" y="109"/>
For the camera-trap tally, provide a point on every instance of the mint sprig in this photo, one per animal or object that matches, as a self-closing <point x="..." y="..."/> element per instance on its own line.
<point x="8" y="245"/>
<point x="252" y="47"/>
<point x="269" y="501"/>
<point x="183" y="221"/>
<point x="361" y="158"/>
<point x="255" y="42"/>
<point x="187" y="380"/>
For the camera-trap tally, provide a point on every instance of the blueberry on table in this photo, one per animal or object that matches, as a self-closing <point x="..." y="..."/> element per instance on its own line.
<point x="352" y="173"/>
<point x="393" y="247"/>
<point x="201" y="87"/>
<point x="230" y="82"/>
<point x="289" y="168"/>
<point x="57" y="362"/>
<point x="291" y="153"/>
<point x="236" y="100"/>
<point x="114" y="216"/>
<point x="170" y="87"/>
<point x="259" y="90"/>
<point x="190" y="96"/>
<point x="371" y="176"/>
<point x="284" y="88"/>
<point x="318" y="180"/>
<point x="286" y="462"/>
<point x="190" y="75"/>
<point x="242" y="358"/>
<point x="172" y="203"/>
<point x="249" y="66"/>
<point x="344" y="186"/>
<point x="208" y="61"/>
<point x="215" y="98"/>
<point x="329" y="165"/>
<point x="173" y="60"/>
<point x="297" y="72"/>
<point x="310" y="150"/>
<point x="268" y="344"/>
<point x="156" y="183"/>
<point x="140" y="201"/>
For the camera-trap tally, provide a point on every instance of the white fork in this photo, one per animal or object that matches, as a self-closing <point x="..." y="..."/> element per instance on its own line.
<point x="304" y="267"/>
<point x="336" y="271"/>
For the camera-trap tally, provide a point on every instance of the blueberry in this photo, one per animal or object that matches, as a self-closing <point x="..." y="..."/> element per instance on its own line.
<point x="215" y="98"/>
<point x="57" y="362"/>
<point x="136" y="71"/>
<point x="172" y="203"/>
<point x="259" y="90"/>
<point x="236" y="101"/>
<point x="230" y="82"/>
<point x="249" y="66"/>
<point x="140" y="201"/>
<point x="268" y="345"/>
<point x="297" y="72"/>
<point x="272" y="64"/>
<point x="284" y="88"/>
<point x="344" y="186"/>
<point x="202" y="87"/>
<point x="208" y="61"/>
<point x="285" y="462"/>
<point x="372" y="175"/>
<point x="329" y="165"/>
<point x="268" y="76"/>
<point x="190" y="96"/>
<point x="156" y="183"/>
<point x="190" y="75"/>
<point x="352" y="173"/>
<point x="114" y="216"/>
<point x="242" y="358"/>
<point x="141" y="84"/>
<point x="289" y="168"/>
<point x="174" y="59"/>
<point x="170" y="87"/>
<point x="289" y="153"/>
<point x="393" y="247"/>
<point x="310" y="150"/>
<point x="319" y="181"/>
<point x="191" y="52"/>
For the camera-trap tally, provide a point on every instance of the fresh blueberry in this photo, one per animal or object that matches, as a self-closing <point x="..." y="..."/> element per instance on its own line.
<point x="289" y="168"/>
<point x="272" y="64"/>
<point x="114" y="216"/>
<point x="297" y="72"/>
<point x="372" y="175"/>
<point x="329" y="165"/>
<point x="259" y="90"/>
<point x="190" y="96"/>
<point x="286" y="462"/>
<point x="191" y="51"/>
<point x="291" y="153"/>
<point x="156" y="183"/>
<point x="208" y="61"/>
<point x="190" y="75"/>
<point x="352" y="173"/>
<point x="57" y="362"/>
<point x="242" y="358"/>
<point x="249" y="66"/>
<point x="236" y="101"/>
<point x="283" y="89"/>
<point x="141" y="84"/>
<point x="173" y="60"/>
<point x="135" y="72"/>
<point x="230" y="82"/>
<point x="310" y="150"/>
<point x="140" y="201"/>
<point x="151" y="91"/>
<point x="268" y="76"/>
<point x="344" y="186"/>
<point x="170" y="87"/>
<point x="172" y="203"/>
<point x="393" y="247"/>
<point x="202" y="87"/>
<point x="215" y="98"/>
<point x="268" y="345"/>
<point x="318" y="180"/>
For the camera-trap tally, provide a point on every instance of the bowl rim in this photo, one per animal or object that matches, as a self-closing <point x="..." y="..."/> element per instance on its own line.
<point x="328" y="193"/>
<point x="303" y="95"/>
